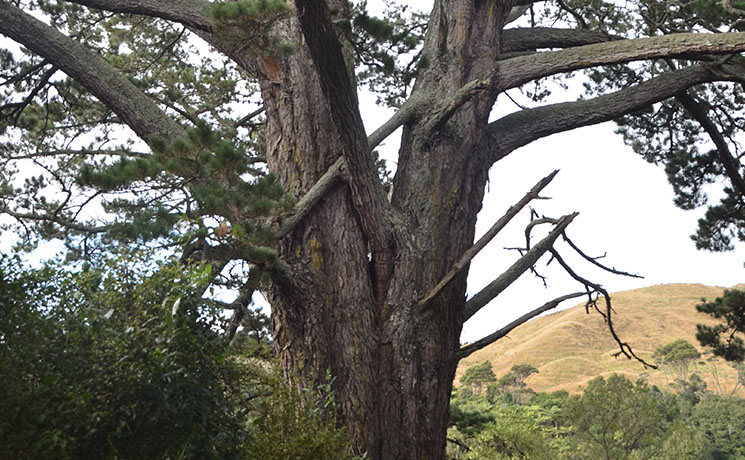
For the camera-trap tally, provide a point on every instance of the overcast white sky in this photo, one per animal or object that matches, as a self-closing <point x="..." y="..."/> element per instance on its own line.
<point x="625" y="207"/>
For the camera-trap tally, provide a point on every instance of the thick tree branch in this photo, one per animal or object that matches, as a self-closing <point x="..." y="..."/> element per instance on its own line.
<point x="471" y="252"/>
<point x="90" y="70"/>
<point x="191" y="13"/>
<point x="519" y="70"/>
<point x="341" y="93"/>
<point x="491" y="338"/>
<point x="522" y="265"/>
<point x="731" y="165"/>
<point x="533" y="38"/>
<point x="407" y="111"/>
<point x="521" y="128"/>
<point x="311" y="198"/>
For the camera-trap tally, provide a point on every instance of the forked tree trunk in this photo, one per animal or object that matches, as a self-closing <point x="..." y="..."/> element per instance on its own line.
<point x="392" y="361"/>
<point x="351" y="280"/>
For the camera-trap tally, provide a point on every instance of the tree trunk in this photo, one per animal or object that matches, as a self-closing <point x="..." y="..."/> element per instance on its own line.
<point x="352" y="293"/>
<point x="392" y="360"/>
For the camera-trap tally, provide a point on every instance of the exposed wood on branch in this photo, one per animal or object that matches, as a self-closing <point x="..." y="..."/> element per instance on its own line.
<point x="471" y="252"/>
<point x="491" y="338"/>
<point x="478" y="301"/>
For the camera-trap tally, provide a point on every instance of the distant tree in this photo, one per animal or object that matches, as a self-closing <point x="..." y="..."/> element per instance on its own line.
<point x="478" y="376"/>
<point x="725" y="338"/>
<point x="678" y="356"/>
<point x="513" y="382"/>
<point x="616" y="419"/>
<point x="722" y="420"/>
<point x="518" y="433"/>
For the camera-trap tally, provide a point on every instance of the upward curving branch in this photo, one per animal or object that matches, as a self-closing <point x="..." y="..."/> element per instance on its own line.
<point x="520" y="70"/>
<point x="471" y="252"/>
<point x="521" y="128"/>
<point x="523" y="264"/>
<point x="469" y="349"/>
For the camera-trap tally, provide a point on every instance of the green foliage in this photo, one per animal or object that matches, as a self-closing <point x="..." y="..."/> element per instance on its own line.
<point x="722" y="420"/>
<point x="381" y="44"/>
<point x="612" y="419"/>
<point x="125" y="360"/>
<point x="615" y="418"/>
<point x="513" y="382"/>
<point x="678" y="356"/>
<point x="295" y="424"/>
<point x="233" y="19"/>
<point x="478" y="376"/>
<point x="723" y="337"/>
<point x="518" y="432"/>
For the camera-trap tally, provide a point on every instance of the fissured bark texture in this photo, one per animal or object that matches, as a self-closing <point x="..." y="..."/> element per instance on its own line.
<point x="352" y="306"/>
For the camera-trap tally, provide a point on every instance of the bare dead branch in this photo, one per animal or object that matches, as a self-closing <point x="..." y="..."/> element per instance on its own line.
<point x="522" y="265"/>
<point x="592" y="302"/>
<point x="471" y="252"/>
<point x="594" y="260"/>
<point x="488" y="340"/>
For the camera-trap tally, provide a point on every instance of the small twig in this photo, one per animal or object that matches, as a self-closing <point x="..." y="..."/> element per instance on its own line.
<point x="592" y="288"/>
<point x="594" y="260"/>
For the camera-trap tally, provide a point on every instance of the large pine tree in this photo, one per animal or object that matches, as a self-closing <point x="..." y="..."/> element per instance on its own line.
<point x="364" y="282"/>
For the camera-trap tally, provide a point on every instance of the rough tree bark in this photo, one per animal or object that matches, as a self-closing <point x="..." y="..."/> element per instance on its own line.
<point x="355" y="292"/>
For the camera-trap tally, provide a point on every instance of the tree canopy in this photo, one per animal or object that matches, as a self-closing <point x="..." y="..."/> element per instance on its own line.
<point x="230" y="133"/>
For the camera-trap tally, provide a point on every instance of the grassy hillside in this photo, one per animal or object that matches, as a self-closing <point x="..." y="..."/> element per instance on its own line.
<point x="571" y="347"/>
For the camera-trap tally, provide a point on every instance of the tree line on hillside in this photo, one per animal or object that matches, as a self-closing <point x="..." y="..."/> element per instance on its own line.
<point x="125" y="359"/>
<point x="613" y="418"/>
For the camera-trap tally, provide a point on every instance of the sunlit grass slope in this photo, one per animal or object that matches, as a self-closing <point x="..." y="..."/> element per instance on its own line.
<point x="571" y="347"/>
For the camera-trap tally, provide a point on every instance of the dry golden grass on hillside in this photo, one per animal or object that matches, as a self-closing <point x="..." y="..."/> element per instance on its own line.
<point x="571" y="347"/>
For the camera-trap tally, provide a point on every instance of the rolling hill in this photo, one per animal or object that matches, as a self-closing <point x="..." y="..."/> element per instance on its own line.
<point x="570" y="347"/>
